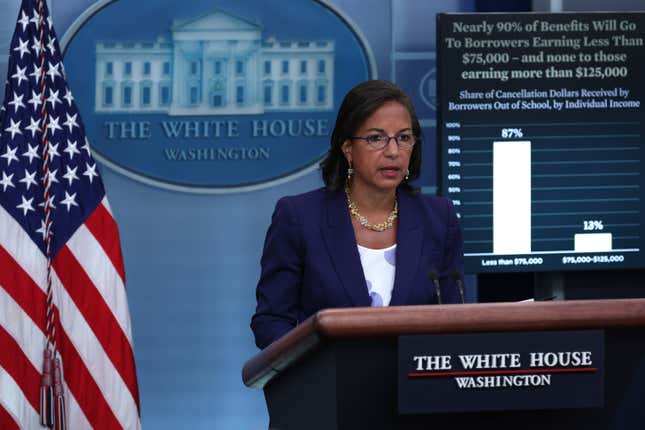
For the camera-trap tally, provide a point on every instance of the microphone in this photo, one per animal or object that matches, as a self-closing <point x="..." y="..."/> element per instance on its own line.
<point x="434" y="276"/>
<point x="456" y="275"/>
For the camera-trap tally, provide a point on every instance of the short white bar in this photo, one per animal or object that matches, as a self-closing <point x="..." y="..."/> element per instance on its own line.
<point x="592" y="242"/>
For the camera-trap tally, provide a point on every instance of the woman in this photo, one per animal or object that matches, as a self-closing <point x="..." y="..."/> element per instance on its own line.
<point x="367" y="238"/>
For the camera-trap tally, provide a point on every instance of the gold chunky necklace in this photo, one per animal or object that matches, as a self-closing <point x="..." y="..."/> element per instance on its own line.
<point x="388" y="223"/>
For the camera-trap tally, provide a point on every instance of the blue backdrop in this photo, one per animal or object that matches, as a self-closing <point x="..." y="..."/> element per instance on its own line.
<point x="192" y="260"/>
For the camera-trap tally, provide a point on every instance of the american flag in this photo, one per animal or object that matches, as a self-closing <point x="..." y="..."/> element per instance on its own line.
<point x="58" y="240"/>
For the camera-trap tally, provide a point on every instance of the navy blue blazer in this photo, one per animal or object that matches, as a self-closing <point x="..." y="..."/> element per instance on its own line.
<point x="311" y="262"/>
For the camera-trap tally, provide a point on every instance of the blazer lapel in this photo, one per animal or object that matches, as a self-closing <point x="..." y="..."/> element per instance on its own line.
<point x="338" y="234"/>
<point x="408" y="248"/>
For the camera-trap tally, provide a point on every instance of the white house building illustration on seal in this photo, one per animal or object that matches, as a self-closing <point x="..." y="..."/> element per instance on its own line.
<point x="215" y="64"/>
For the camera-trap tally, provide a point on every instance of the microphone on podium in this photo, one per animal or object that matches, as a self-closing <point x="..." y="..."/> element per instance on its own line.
<point x="434" y="276"/>
<point x="456" y="275"/>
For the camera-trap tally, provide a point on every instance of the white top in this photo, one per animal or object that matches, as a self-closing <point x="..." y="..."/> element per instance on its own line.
<point x="379" y="268"/>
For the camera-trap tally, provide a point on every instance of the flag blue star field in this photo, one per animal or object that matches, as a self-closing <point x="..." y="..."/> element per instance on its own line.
<point x="58" y="240"/>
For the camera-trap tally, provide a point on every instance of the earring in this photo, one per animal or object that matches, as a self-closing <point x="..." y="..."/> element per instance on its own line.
<point x="350" y="170"/>
<point x="407" y="174"/>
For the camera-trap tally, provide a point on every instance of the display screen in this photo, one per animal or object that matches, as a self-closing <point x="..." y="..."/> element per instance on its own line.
<point x="540" y="130"/>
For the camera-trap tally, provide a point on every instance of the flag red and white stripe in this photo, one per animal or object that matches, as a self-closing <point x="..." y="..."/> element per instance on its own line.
<point x="92" y="333"/>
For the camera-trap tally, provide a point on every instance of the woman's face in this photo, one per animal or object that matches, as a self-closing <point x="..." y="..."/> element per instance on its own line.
<point x="380" y="169"/>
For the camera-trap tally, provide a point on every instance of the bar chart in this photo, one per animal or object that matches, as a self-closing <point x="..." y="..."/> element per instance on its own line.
<point x="540" y="136"/>
<point x="557" y="189"/>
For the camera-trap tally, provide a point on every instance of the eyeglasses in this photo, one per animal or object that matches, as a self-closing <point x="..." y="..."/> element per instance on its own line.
<point x="379" y="141"/>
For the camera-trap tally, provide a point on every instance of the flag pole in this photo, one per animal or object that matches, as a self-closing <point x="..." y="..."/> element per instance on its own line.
<point x="51" y="392"/>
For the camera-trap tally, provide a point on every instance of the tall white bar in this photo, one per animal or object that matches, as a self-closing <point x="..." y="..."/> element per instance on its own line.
<point x="512" y="197"/>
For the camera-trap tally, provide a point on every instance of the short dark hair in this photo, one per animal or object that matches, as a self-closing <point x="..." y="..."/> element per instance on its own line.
<point x="359" y="103"/>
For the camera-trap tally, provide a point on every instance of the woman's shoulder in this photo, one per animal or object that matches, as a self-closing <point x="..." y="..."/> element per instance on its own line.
<point x="310" y="197"/>
<point x="429" y="200"/>
<point x="432" y="205"/>
<point x="305" y="205"/>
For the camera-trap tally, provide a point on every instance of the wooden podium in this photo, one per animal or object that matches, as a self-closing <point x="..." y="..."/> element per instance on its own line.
<point x="338" y="369"/>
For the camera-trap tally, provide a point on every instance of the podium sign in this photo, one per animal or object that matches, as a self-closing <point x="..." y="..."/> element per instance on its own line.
<point x="500" y="371"/>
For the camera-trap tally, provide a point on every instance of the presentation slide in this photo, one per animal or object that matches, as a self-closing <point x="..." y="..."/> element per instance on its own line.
<point x="540" y="130"/>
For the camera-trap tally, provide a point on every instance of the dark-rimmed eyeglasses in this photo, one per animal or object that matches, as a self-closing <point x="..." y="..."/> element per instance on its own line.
<point x="380" y="141"/>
